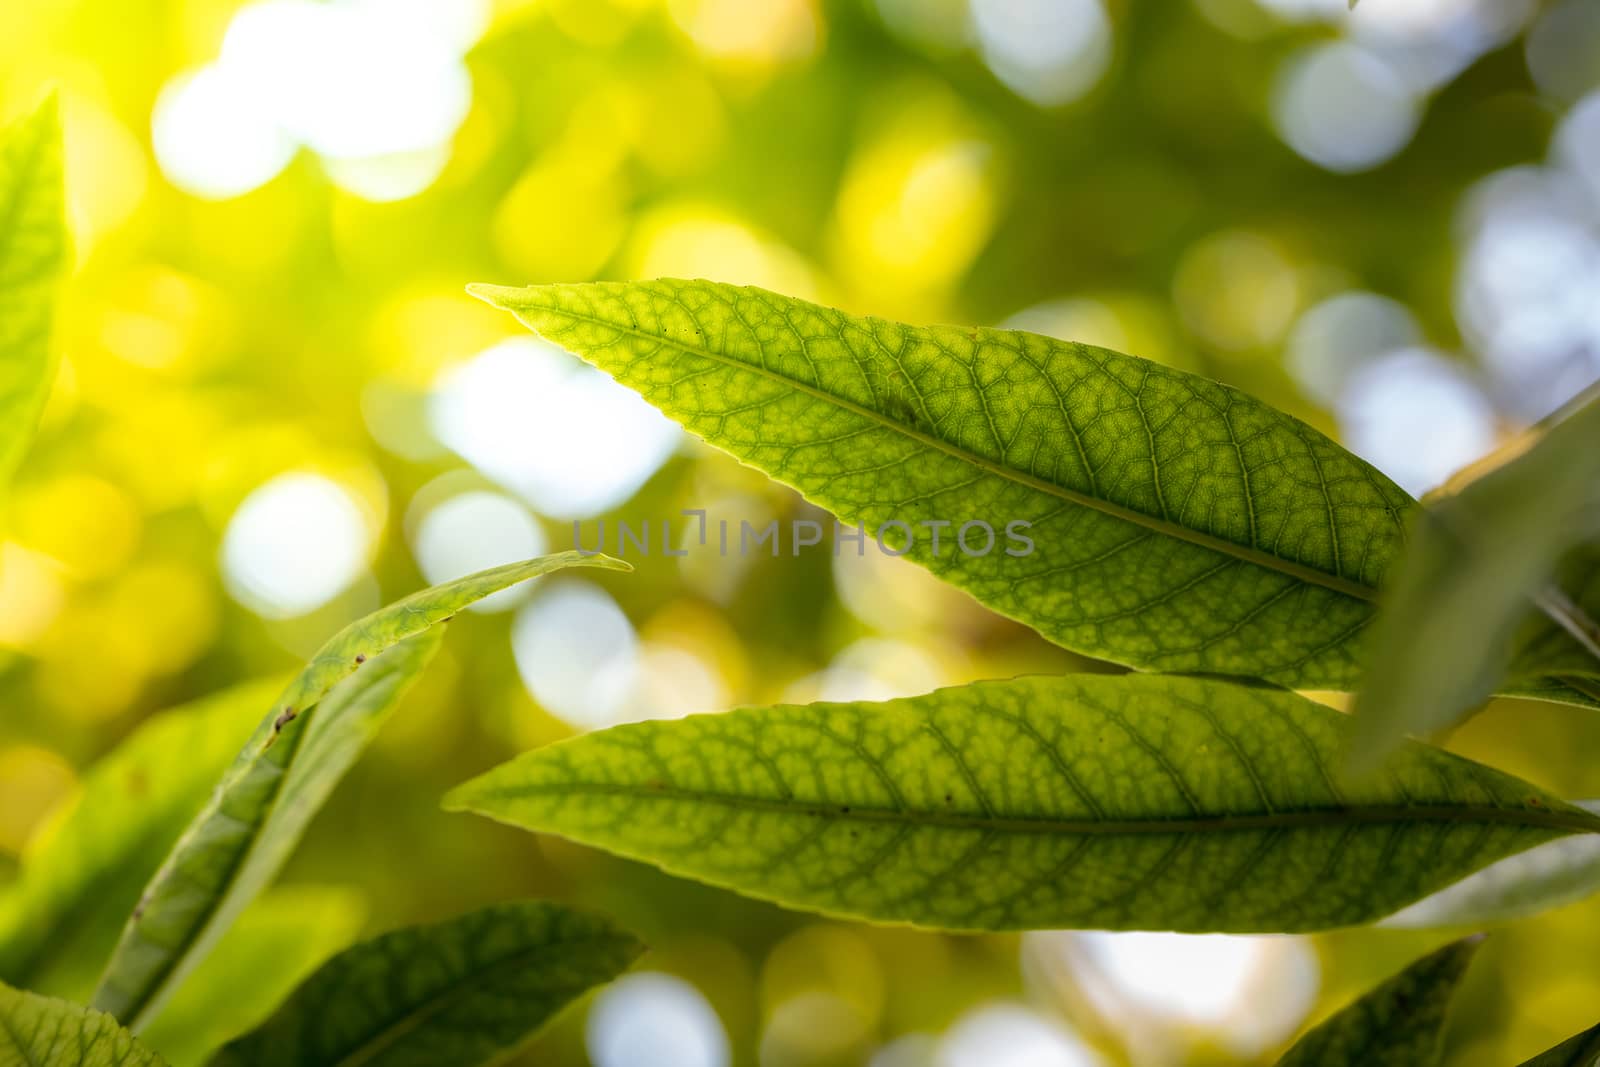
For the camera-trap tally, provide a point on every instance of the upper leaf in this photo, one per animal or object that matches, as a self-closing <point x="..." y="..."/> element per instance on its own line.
<point x="38" y="1031"/>
<point x="1548" y="876"/>
<point x="33" y="259"/>
<point x="288" y="767"/>
<point x="1136" y="802"/>
<point x="1398" y="1024"/>
<point x="455" y="994"/>
<point x="83" y="870"/>
<point x="1582" y="1050"/>
<point x="1477" y="561"/>
<point x="1178" y="524"/>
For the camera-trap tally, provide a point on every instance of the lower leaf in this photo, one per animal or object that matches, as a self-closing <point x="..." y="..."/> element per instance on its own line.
<point x="455" y="994"/>
<point x="1398" y="1024"/>
<point x="1580" y="1051"/>
<point x="1134" y="802"/>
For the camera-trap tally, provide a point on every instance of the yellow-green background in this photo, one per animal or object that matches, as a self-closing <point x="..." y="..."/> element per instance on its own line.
<point x="820" y="148"/>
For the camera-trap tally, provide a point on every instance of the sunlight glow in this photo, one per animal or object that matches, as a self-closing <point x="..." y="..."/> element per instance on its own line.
<point x="377" y="88"/>
<point x="1048" y="51"/>
<point x="293" y="545"/>
<point x="650" y="1019"/>
<point x="213" y="138"/>
<point x="1416" y="416"/>
<point x="577" y="653"/>
<point x="561" y="435"/>
<point x="1344" y="108"/>
<point x="474" y="531"/>
<point x="1010" y="1035"/>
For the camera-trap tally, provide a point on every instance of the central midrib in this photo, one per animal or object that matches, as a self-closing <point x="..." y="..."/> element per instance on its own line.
<point x="1246" y="553"/>
<point x="1574" y="821"/>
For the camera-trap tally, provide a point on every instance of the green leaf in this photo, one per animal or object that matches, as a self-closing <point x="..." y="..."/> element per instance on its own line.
<point x="1179" y="525"/>
<point x="38" y="1031"/>
<point x="1133" y="802"/>
<point x="1398" y="1024"/>
<point x="33" y="260"/>
<point x="278" y="941"/>
<point x="1580" y="1051"/>
<point x="1478" y="561"/>
<point x="1544" y="877"/>
<point x="83" y="870"/>
<point x="455" y="994"/>
<point x="286" y="769"/>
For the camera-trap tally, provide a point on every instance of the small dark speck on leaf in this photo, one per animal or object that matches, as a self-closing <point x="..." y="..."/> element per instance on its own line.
<point x="283" y="720"/>
<point x="360" y="658"/>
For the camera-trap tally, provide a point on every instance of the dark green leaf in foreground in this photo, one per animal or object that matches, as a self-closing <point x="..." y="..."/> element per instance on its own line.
<point x="33" y="259"/>
<point x="455" y="994"/>
<point x="1398" y="1024"/>
<point x="1580" y="1051"/>
<point x="1477" y="563"/>
<point x="38" y="1031"/>
<point x="82" y="872"/>
<point x="1134" y="802"/>
<point x="281" y="777"/>
<point x="1544" y="877"/>
<point x="1178" y="524"/>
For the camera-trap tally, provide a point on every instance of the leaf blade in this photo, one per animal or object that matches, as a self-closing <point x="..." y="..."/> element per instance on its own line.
<point x="1477" y="562"/>
<point x="33" y="261"/>
<point x="290" y="764"/>
<point x="36" y="1030"/>
<point x="474" y="988"/>
<point x="1133" y="802"/>
<point x="1580" y="1050"/>
<point x="1546" y="876"/>
<point x="82" y="872"/>
<point x="876" y="421"/>
<point x="1400" y="1023"/>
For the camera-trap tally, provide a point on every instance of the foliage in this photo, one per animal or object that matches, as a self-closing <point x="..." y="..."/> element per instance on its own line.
<point x="43" y="1030"/>
<point x="461" y="992"/>
<point x="1195" y="551"/>
<point x="1164" y="803"/>
<point x="1401" y="1022"/>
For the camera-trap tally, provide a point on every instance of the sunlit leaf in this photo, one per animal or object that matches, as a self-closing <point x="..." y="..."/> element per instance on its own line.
<point x="1178" y="524"/>
<point x="33" y="259"/>
<point x="1546" y="876"/>
<point x="1398" y="1024"/>
<point x="455" y="994"/>
<point x="1134" y="802"/>
<point x="1478" y="560"/>
<point x="1580" y="1051"/>
<point x="275" y="944"/>
<point x="38" y="1031"/>
<point x="83" y="871"/>
<point x="281" y="777"/>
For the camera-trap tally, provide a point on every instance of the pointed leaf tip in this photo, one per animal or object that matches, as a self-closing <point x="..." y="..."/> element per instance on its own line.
<point x="493" y="295"/>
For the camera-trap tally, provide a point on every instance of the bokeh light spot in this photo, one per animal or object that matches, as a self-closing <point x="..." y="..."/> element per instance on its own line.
<point x="561" y="435"/>
<point x="1343" y="108"/>
<point x="294" y="544"/>
<point x="1048" y="51"/>
<point x="474" y="531"/>
<point x="1416" y="416"/>
<point x="212" y="137"/>
<point x="650" y="1019"/>
<point x="577" y="653"/>
<point x="1332" y="340"/>
<point x="1010" y="1035"/>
